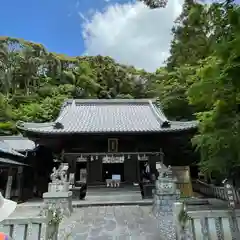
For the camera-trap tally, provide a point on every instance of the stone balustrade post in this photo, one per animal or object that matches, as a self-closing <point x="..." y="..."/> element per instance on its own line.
<point x="52" y="229"/>
<point x="180" y="227"/>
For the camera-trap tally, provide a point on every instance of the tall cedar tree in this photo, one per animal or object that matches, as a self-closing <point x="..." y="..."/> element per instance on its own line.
<point x="190" y="36"/>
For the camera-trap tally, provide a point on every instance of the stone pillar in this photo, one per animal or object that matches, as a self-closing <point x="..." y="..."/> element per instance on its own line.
<point x="180" y="227"/>
<point x="165" y="195"/>
<point x="59" y="200"/>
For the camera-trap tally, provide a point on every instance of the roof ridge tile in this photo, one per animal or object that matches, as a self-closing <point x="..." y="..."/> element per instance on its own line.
<point x="108" y="101"/>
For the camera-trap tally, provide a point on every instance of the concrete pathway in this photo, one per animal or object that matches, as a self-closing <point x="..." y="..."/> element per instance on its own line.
<point x="102" y="197"/>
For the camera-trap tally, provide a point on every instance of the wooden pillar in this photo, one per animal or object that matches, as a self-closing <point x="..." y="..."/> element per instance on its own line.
<point x="95" y="170"/>
<point x="72" y="163"/>
<point x="152" y="163"/>
<point x="88" y="170"/>
<point x="138" y="173"/>
<point x="20" y="182"/>
<point x="9" y="184"/>
<point x="130" y="166"/>
<point x="100" y="168"/>
<point x="71" y="160"/>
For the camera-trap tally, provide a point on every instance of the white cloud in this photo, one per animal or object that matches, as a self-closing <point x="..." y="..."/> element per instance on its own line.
<point x="131" y="33"/>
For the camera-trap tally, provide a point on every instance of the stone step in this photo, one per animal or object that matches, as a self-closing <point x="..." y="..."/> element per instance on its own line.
<point x="85" y="203"/>
<point x="80" y="204"/>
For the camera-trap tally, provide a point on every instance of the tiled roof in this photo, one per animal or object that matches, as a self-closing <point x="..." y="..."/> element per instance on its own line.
<point x="18" y="143"/>
<point x="118" y="115"/>
<point x="11" y="162"/>
<point x="5" y="148"/>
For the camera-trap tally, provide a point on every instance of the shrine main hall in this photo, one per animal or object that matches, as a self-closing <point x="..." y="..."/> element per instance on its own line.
<point x="111" y="138"/>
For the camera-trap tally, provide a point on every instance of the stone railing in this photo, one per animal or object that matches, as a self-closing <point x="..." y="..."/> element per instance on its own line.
<point x="27" y="228"/>
<point x="213" y="191"/>
<point x="45" y="226"/>
<point x="207" y="224"/>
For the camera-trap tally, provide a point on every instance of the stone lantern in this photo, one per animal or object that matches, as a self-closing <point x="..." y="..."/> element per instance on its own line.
<point x="166" y="192"/>
<point x="166" y="182"/>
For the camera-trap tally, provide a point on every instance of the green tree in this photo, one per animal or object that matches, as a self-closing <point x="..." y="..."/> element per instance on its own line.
<point x="172" y="90"/>
<point x="217" y="94"/>
<point x="192" y="41"/>
<point x="83" y="78"/>
<point x="34" y="82"/>
<point x="191" y="36"/>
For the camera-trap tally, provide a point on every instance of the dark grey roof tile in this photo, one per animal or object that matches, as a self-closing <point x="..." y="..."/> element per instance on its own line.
<point x="18" y="143"/>
<point x="117" y="115"/>
<point x="5" y="148"/>
<point x="11" y="162"/>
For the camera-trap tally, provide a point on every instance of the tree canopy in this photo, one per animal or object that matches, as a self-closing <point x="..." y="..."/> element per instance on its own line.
<point x="201" y="79"/>
<point x="34" y="82"/>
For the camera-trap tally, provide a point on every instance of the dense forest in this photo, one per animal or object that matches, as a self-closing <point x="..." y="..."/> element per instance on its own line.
<point x="199" y="81"/>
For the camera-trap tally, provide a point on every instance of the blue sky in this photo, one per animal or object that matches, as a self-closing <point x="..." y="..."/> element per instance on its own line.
<point x="54" y="23"/>
<point x="125" y="30"/>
